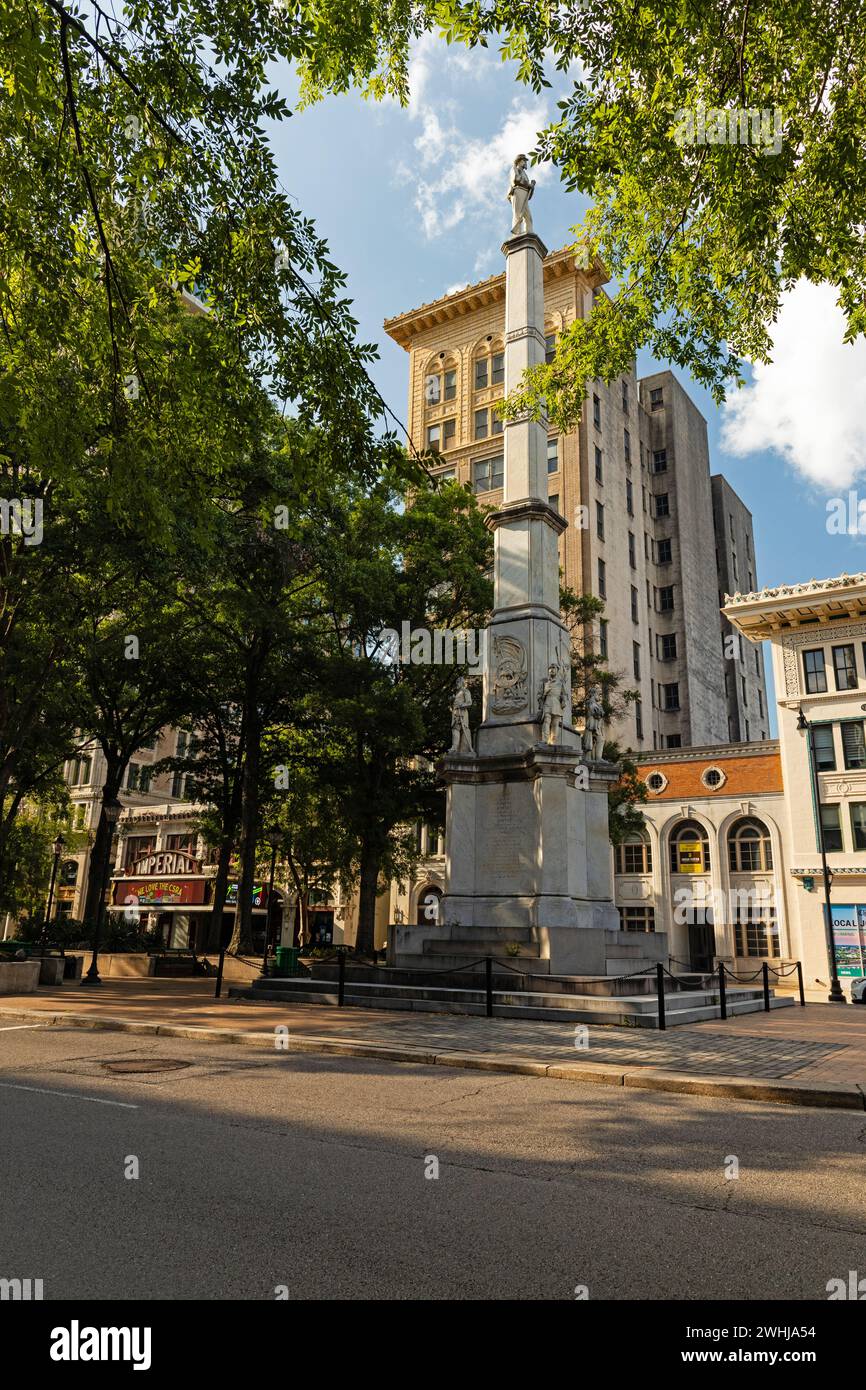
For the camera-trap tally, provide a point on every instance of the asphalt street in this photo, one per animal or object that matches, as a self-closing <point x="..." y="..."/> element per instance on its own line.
<point x="266" y="1171"/>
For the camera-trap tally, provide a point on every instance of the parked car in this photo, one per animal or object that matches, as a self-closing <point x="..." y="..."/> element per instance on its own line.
<point x="858" y="990"/>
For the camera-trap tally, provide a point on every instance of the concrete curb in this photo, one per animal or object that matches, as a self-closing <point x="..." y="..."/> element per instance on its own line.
<point x="825" y="1094"/>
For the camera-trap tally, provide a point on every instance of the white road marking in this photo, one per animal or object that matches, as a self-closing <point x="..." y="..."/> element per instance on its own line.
<point x="17" y="1027"/>
<point x="68" y="1095"/>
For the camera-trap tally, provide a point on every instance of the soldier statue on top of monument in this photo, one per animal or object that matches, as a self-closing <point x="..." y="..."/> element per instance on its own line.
<point x="520" y="189"/>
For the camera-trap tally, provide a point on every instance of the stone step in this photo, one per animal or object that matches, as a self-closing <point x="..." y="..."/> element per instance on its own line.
<point x="458" y="960"/>
<point x="488" y="946"/>
<point x="629" y="1011"/>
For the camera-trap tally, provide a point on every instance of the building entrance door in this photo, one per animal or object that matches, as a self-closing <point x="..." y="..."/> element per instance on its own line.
<point x="702" y="944"/>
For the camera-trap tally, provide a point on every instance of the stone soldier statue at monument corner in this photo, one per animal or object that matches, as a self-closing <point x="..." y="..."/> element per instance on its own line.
<point x="520" y="190"/>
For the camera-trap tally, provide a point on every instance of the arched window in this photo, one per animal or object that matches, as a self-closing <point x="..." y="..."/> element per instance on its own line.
<point x="690" y="848"/>
<point x="427" y="912"/>
<point x="634" y="856"/>
<point x="749" y="848"/>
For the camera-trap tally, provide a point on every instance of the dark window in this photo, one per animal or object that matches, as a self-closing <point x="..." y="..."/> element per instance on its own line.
<point x="625" y="396"/>
<point x="449" y="432"/>
<point x="481" y="424"/>
<point x="853" y="746"/>
<point x="635" y="659"/>
<point x="671" y="695"/>
<point x="858" y="824"/>
<point x="602" y="579"/>
<point x="816" y="676"/>
<point x="629" y="497"/>
<point x="553" y="455"/>
<point x="450" y="386"/>
<point x="496" y="422"/>
<point x="626" y="444"/>
<point x="660" y="460"/>
<point x="665" y="597"/>
<point x="831" y="826"/>
<point x="596" y="412"/>
<point x="638" y="918"/>
<point x="662" y="504"/>
<point x="488" y="474"/>
<point x="657" y="399"/>
<point x="632" y="559"/>
<point x="599" y="471"/>
<point x="664" y="554"/>
<point x="825" y="752"/>
<point x="675" y="741"/>
<point x="634" y="857"/>
<point x="549" y="347"/>
<point x="638" y="719"/>
<point x="749" y="848"/>
<point x="757" y="932"/>
<point x="668" y="647"/>
<point x="634" y="610"/>
<point x="599" y="521"/>
<point x="602" y="638"/>
<point x="480" y="373"/>
<point x="845" y="668"/>
<point x="497" y="374"/>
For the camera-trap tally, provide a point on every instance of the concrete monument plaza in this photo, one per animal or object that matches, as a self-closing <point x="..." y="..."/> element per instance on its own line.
<point x="528" y="857"/>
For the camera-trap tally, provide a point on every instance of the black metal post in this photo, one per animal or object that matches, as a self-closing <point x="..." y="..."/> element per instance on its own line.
<point x="268" y="910"/>
<point x="723" y="1002"/>
<point x="660" y="988"/>
<point x="341" y="979"/>
<point x="488" y="984"/>
<point x="111" y="811"/>
<point x="58" y="850"/>
<point x="800" y="983"/>
<point x="836" y="995"/>
<point x="765" y="972"/>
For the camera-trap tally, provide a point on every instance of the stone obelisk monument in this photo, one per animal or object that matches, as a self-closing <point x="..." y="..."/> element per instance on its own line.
<point x="526" y="841"/>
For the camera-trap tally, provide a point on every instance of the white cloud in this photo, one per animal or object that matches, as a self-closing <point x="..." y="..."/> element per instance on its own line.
<point x="809" y="403"/>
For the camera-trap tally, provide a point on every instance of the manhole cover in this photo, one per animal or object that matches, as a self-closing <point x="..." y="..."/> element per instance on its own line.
<point x="147" y="1064"/>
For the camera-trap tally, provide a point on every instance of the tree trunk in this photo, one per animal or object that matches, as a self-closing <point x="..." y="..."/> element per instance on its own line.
<point x="101" y="850"/>
<point x="220" y="887"/>
<point x="365" y="940"/>
<point x="242" y="936"/>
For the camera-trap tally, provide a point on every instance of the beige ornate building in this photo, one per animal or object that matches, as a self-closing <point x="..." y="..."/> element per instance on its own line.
<point x="633" y="481"/>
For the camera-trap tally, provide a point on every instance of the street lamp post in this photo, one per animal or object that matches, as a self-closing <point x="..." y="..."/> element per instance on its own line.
<point x="111" y="811"/>
<point x="58" y="850"/>
<point x="273" y="841"/>
<point x="836" y="995"/>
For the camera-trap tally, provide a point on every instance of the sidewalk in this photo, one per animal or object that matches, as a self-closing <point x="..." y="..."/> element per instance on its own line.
<point x="814" y="1055"/>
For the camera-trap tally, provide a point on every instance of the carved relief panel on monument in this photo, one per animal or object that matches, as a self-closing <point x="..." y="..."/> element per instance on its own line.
<point x="510" y="676"/>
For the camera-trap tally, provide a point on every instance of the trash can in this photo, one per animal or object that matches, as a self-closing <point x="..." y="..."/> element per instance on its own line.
<point x="286" y="960"/>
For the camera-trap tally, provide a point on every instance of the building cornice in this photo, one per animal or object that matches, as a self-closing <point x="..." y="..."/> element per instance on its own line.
<point x="406" y="326"/>
<point x="760" y="615"/>
<point x="712" y="752"/>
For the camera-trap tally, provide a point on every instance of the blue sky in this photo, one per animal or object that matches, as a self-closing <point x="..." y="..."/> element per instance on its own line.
<point x="412" y="202"/>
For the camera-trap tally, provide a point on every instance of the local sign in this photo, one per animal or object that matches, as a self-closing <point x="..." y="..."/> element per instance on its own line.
<point x="159" y="892"/>
<point x="169" y="861"/>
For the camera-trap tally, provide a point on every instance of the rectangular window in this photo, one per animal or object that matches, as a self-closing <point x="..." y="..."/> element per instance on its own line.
<point x="449" y="433"/>
<point x="136" y="847"/>
<point x="665" y="599"/>
<point x="496" y="422"/>
<point x="602" y="579"/>
<point x="433" y="436"/>
<point x="657" y="399"/>
<point x="664" y="552"/>
<point x="675" y="741"/>
<point x="635" y="659"/>
<point x="497" y="374"/>
<point x="480" y="373"/>
<point x="671" y="696"/>
<point x="816" y="676"/>
<point x="596" y="412"/>
<point x="831" y="827"/>
<point x="553" y="501"/>
<point x="626" y="444"/>
<point x="662" y="504"/>
<point x="625" y="396"/>
<point x="481" y="424"/>
<point x="599" y="470"/>
<point x="602" y="638"/>
<point x="549" y="347"/>
<point x="635" y="617"/>
<point x="757" y="932"/>
<point x="638" y="720"/>
<point x="858" y="824"/>
<point x="760" y="704"/>
<point x="668" y="646"/>
<point x="660" y="460"/>
<point x="450" y="386"/>
<point x="432" y="390"/>
<point x="132" y="776"/>
<point x="632" y="559"/>
<point x="553" y="455"/>
<point x="488" y="474"/>
<point x="599" y="520"/>
<point x="638" y="918"/>
<point x="853" y="746"/>
<point x="634" y="857"/>
<point x="845" y="667"/>
<point x="629" y="497"/>
<point x="743" y="689"/>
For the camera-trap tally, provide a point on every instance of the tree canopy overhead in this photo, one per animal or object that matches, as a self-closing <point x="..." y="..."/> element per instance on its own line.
<point x="702" y="237"/>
